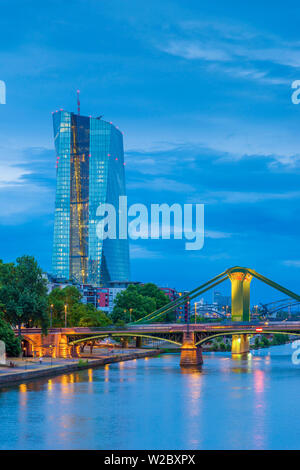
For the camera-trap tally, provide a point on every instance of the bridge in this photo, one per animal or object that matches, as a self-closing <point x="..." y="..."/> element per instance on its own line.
<point x="65" y="342"/>
<point x="271" y="308"/>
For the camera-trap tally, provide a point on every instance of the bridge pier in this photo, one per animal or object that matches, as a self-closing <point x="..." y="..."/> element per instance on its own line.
<point x="138" y="342"/>
<point x="75" y="350"/>
<point x="240" y="296"/>
<point x="240" y="344"/>
<point x="191" y="355"/>
<point x="52" y="345"/>
<point x="124" y="343"/>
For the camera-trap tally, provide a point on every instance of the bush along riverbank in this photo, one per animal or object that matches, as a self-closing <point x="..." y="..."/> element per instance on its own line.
<point x="264" y="342"/>
<point x="260" y="341"/>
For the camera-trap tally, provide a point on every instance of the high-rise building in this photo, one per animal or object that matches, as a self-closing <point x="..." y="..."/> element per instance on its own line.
<point x="221" y="300"/>
<point x="90" y="171"/>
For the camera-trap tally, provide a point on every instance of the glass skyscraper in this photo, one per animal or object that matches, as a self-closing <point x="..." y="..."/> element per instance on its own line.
<point x="90" y="171"/>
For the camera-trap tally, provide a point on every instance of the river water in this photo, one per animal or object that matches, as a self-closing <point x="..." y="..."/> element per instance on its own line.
<point x="153" y="404"/>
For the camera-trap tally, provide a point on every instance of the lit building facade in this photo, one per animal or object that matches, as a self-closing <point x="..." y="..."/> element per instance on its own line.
<point x="90" y="171"/>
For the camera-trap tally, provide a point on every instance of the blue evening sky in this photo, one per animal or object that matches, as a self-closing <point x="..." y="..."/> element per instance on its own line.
<point x="202" y="92"/>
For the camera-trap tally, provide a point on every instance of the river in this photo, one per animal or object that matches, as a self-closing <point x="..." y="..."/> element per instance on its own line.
<point x="153" y="404"/>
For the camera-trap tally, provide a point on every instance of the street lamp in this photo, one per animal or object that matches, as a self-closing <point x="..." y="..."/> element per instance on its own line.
<point x="130" y="311"/>
<point x="51" y="314"/>
<point x="51" y="346"/>
<point x="66" y="315"/>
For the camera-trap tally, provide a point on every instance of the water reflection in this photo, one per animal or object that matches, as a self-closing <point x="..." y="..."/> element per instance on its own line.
<point x="23" y="395"/>
<point x="223" y="404"/>
<point x="259" y="409"/>
<point x="191" y="370"/>
<point x="50" y="385"/>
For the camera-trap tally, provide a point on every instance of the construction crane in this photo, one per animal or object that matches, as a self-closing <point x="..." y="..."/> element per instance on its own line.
<point x="78" y="102"/>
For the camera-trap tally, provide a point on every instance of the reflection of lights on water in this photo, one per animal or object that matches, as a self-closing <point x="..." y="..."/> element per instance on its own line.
<point x="64" y="379"/>
<point x="90" y="375"/>
<point x="50" y="385"/>
<point x="65" y="382"/>
<point x="23" y="388"/>
<point x="23" y="394"/>
<point x="259" y="433"/>
<point x="106" y="373"/>
<point x="193" y="405"/>
<point x="259" y="379"/>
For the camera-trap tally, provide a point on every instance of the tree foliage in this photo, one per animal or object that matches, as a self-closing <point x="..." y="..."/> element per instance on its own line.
<point x="12" y="343"/>
<point x="23" y="293"/>
<point x="137" y="301"/>
<point x="78" y="314"/>
<point x="58" y="298"/>
<point x="93" y="317"/>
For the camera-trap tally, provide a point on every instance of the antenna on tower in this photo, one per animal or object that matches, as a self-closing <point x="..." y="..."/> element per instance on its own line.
<point x="78" y="102"/>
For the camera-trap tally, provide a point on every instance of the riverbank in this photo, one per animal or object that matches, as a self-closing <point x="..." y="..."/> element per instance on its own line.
<point x="27" y="370"/>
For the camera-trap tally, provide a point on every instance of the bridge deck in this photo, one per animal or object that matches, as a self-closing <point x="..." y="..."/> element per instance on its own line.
<point x="176" y="328"/>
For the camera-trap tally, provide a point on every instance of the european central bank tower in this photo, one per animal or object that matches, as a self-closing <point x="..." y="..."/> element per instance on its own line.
<point x="90" y="171"/>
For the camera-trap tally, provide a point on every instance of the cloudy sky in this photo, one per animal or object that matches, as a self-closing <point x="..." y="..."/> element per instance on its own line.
<point x="202" y="92"/>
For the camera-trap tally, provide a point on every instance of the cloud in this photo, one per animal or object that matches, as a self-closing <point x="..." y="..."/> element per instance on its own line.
<point x="161" y="184"/>
<point x="216" y="235"/>
<point x="193" y="50"/>
<point x="238" y="197"/>
<point x="234" y="50"/>
<point x="27" y="184"/>
<point x="11" y="175"/>
<point x="292" y="263"/>
<point x="141" y="252"/>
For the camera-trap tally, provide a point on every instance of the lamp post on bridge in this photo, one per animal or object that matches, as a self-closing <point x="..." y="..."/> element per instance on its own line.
<point x="195" y="312"/>
<point x="130" y="312"/>
<point x="51" y="315"/>
<point x="187" y="317"/>
<point x="66" y="315"/>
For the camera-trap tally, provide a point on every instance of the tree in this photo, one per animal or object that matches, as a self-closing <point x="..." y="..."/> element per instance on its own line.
<point x="161" y="299"/>
<point x="130" y="303"/>
<point x="279" y="338"/>
<point x="12" y="343"/>
<point x="137" y="301"/>
<point x="265" y="342"/>
<point x="94" y="317"/>
<point x="58" y="298"/>
<point x="23" y="293"/>
<point x="151" y="290"/>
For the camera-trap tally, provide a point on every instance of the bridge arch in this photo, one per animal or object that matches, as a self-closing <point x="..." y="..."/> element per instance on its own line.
<point x="121" y="335"/>
<point x="244" y="332"/>
<point x="29" y="345"/>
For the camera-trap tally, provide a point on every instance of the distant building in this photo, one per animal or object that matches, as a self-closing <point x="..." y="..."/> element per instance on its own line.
<point x="90" y="171"/>
<point x="183" y="311"/>
<point x="109" y="294"/>
<point x="221" y="300"/>
<point x="53" y="282"/>
<point x="103" y="298"/>
<point x="171" y="293"/>
<point x="89" y="293"/>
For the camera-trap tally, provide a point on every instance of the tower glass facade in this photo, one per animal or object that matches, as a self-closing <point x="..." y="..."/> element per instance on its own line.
<point x="90" y="171"/>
